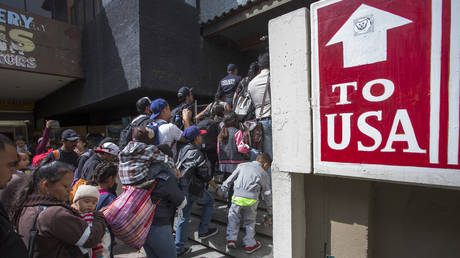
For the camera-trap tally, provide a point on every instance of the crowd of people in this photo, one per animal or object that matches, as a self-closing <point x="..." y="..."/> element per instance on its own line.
<point x="74" y="201"/>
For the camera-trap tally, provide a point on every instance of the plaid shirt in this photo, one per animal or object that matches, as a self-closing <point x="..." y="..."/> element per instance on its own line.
<point x="135" y="160"/>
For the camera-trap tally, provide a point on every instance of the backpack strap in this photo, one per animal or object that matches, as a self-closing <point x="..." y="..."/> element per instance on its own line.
<point x="34" y="231"/>
<point x="57" y="154"/>
<point x="267" y="89"/>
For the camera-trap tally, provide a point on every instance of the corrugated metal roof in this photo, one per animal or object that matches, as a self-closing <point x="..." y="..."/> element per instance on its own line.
<point x="213" y="10"/>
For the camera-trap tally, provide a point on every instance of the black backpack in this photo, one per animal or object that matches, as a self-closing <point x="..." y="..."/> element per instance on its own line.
<point x="126" y="134"/>
<point x="176" y="115"/>
<point x="210" y="138"/>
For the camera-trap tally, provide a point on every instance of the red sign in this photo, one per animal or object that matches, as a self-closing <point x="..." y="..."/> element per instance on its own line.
<point x="386" y="79"/>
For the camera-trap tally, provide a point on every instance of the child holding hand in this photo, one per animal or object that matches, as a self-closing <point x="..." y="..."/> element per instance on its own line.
<point x="85" y="201"/>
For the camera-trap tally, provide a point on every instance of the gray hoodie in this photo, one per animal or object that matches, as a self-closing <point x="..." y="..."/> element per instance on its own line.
<point x="249" y="179"/>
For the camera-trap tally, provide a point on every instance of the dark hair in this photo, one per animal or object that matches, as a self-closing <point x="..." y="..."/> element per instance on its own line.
<point x="230" y="120"/>
<point x="264" y="158"/>
<point x="253" y="70"/>
<point x="51" y="172"/>
<point x="4" y="140"/>
<point x="103" y="171"/>
<point x="217" y="111"/>
<point x="19" y="138"/>
<point x="142" y="104"/>
<point x="264" y="60"/>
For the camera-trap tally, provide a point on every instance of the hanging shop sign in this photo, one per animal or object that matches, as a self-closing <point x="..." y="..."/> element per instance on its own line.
<point x="35" y="43"/>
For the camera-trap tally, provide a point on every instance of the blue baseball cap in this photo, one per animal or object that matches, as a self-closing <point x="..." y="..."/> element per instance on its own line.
<point x="192" y="132"/>
<point x="231" y="67"/>
<point x="157" y="106"/>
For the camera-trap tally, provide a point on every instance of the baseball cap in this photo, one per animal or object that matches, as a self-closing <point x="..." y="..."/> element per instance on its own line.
<point x="70" y="135"/>
<point x="231" y="67"/>
<point x="184" y="91"/>
<point x="157" y="106"/>
<point x="192" y="132"/>
<point x="109" y="148"/>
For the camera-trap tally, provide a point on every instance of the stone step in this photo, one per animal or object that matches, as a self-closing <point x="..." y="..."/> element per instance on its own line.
<point x="121" y="250"/>
<point x="219" y="242"/>
<point x="221" y="214"/>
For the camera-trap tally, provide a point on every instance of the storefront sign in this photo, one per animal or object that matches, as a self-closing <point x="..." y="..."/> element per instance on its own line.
<point x="386" y="79"/>
<point x="34" y="43"/>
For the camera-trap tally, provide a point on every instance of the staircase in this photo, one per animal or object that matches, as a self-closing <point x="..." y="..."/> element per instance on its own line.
<point x="218" y="242"/>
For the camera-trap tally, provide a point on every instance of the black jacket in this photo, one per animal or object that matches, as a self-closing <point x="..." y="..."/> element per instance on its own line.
<point x="176" y="114"/>
<point x="210" y="138"/>
<point x="195" y="168"/>
<point x="90" y="165"/>
<point x="11" y="244"/>
<point x="167" y="189"/>
<point x="81" y="162"/>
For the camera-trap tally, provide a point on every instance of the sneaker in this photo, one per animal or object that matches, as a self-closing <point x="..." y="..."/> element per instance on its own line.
<point x="186" y="250"/>
<point x="231" y="244"/>
<point x="252" y="249"/>
<point x="211" y="232"/>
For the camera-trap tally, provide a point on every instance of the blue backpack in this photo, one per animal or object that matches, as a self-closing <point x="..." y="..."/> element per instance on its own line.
<point x="154" y="125"/>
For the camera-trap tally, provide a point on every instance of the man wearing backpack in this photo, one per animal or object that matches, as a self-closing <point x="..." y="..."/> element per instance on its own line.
<point x="259" y="88"/>
<point x="167" y="133"/>
<point x="66" y="152"/>
<point x="143" y="108"/>
<point x="185" y="98"/>
<point x="196" y="173"/>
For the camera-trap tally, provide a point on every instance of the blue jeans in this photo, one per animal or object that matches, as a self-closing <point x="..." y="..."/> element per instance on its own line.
<point x="207" y="202"/>
<point x="160" y="242"/>
<point x="268" y="148"/>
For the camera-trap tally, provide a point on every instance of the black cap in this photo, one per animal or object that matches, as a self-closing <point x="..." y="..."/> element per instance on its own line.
<point x="69" y="135"/>
<point x="183" y="92"/>
<point x="142" y="104"/>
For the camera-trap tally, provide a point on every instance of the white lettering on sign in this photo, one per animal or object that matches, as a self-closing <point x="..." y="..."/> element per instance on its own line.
<point x="370" y="131"/>
<point x="15" y="42"/>
<point x="389" y="88"/>
<point x="343" y="91"/>
<point x="364" y="35"/>
<point x="401" y="117"/>
<point x="13" y="18"/>
<point x="346" y="133"/>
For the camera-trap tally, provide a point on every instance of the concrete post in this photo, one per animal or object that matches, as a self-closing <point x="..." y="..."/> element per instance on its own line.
<point x="290" y="88"/>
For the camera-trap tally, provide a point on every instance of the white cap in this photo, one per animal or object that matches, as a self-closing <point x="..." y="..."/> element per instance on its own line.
<point x="109" y="148"/>
<point x="84" y="191"/>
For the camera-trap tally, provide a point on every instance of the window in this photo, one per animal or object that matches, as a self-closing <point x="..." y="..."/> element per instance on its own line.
<point x="18" y="4"/>
<point x="89" y="10"/>
<point x="83" y="11"/>
<point x="35" y="7"/>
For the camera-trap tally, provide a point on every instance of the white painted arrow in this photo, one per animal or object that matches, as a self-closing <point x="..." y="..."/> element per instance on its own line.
<point x="364" y="35"/>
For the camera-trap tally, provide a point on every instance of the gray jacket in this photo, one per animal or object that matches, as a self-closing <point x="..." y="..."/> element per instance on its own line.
<point x="249" y="179"/>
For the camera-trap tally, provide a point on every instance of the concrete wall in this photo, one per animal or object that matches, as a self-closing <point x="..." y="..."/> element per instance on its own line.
<point x="356" y="218"/>
<point x="213" y="8"/>
<point x="110" y="61"/>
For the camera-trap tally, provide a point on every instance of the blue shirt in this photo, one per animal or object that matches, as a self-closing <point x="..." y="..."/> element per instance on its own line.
<point x="105" y="199"/>
<point x="228" y="85"/>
